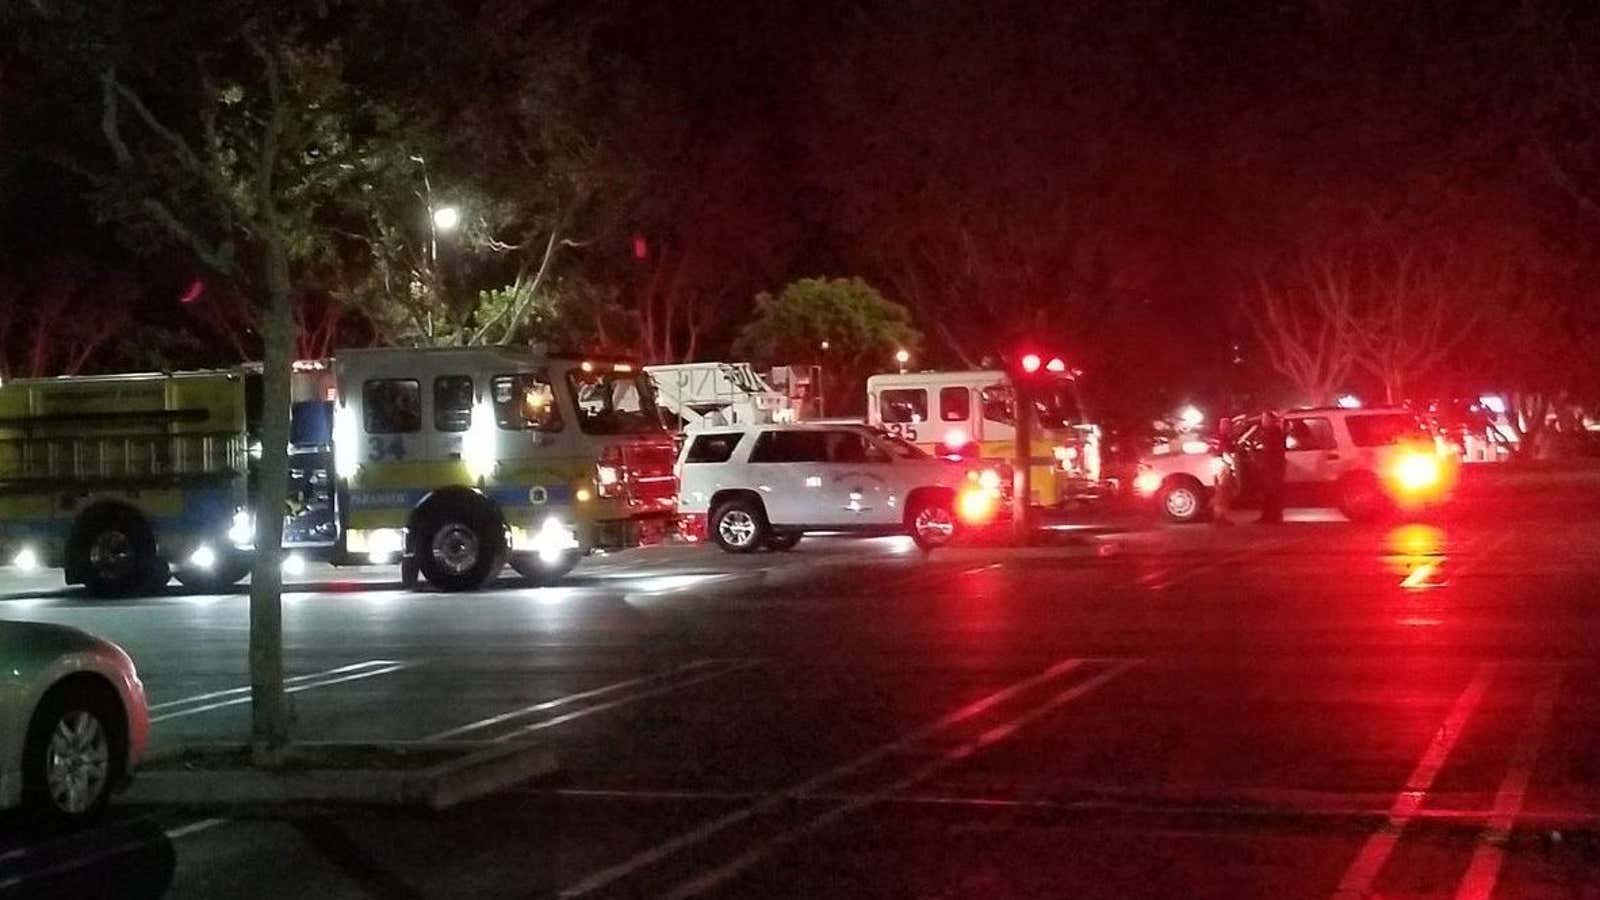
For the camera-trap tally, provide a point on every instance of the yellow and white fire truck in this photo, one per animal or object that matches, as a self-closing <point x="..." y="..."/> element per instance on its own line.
<point x="121" y="480"/>
<point x="972" y="415"/>
<point x="455" y="461"/>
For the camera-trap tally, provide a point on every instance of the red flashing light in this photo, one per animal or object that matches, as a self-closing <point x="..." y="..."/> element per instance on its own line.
<point x="1031" y="363"/>
<point x="1055" y="365"/>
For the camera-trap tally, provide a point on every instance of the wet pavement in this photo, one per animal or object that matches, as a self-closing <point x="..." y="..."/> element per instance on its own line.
<point x="1317" y="709"/>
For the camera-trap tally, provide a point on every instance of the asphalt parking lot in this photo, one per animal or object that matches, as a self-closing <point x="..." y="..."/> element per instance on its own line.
<point x="1317" y="709"/>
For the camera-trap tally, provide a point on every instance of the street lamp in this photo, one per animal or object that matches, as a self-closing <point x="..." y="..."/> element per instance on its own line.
<point x="902" y="356"/>
<point x="446" y="218"/>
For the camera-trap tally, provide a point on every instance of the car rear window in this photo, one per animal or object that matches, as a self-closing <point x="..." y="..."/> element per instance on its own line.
<point x="1384" y="428"/>
<point x="713" y="448"/>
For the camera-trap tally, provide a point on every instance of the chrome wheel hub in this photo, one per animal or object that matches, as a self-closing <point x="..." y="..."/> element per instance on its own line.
<point x="1182" y="503"/>
<point x="935" y="524"/>
<point x="455" y="547"/>
<point x="77" y="762"/>
<point x="737" y="528"/>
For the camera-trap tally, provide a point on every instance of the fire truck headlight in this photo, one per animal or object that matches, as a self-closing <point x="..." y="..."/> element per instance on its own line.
<point x="26" y="560"/>
<point x="203" y="558"/>
<point x="242" y="533"/>
<point x="553" y="540"/>
<point x="384" y="545"/>
<point x="606" y="476"/>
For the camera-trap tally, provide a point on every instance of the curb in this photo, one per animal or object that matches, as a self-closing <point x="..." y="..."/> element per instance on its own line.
<point x="478" y="771"/>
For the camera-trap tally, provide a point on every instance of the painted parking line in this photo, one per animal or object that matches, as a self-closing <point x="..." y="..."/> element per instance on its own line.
<point x="200" y="703"/>
<point x="1364" y="869"/>
<point x="713" y="878"/>
<point x="96" y="857"/>
<point x="677" y="843"/>
<point x="1484" y="870"/>
<point x="1164" y="578"/>
<point x="631" y="691"/>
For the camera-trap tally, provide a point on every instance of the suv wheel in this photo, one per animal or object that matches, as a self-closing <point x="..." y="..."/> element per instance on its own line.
<point x="933" y="523"/>
<point x="740" y="525"/>
<point x="1362" y="499"/>
<point x="1183" y="500"/>
<point x="783" y="541"/>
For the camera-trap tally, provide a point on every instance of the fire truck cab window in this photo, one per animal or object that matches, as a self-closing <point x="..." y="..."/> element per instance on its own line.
<point x="955" y="404"/>
<point x="525" y="402"/>
<point x="997" y="405"/>
<point x="452" y="403"/>
<point x="903" y="406"/>
<point x="392" y="405"/>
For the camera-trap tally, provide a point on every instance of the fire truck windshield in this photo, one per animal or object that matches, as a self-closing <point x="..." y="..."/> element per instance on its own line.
<point x="1055" y="405"/>
<point x="613" y="403"/>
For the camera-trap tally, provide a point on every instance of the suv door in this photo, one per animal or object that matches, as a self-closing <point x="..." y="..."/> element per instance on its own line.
<point x="860" y="482"/>
<point x="788" y="468"/>
<point x="1310" y="450"/>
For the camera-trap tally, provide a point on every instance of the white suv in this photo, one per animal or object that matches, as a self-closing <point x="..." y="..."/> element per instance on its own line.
<point x="766" y="485"/>
<point x="1365" y="461"/>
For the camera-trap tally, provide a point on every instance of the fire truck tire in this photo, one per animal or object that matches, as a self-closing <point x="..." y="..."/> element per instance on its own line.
<point x="740" y="525"/>
<point x="228" y="573"/>
<point x="461" y="547"/>
<point x="783" y="541"/>
<point x="538" y="572"/>
<point x="116" y="553"/>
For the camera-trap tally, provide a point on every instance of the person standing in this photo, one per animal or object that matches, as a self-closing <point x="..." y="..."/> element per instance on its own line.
<point x="1272" y="468"/>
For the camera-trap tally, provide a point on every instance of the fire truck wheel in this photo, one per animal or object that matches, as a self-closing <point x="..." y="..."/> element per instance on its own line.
<point x="460" y="548"/>
<point x="538" y="572"/>
<point x="116" y="553"/>
<point x="739" y="525"/>
<point x="227" y="573"/>
<point x="782" y="541"/>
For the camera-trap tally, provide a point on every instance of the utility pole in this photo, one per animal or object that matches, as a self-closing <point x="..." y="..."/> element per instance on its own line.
<point x="1022" y="458"/>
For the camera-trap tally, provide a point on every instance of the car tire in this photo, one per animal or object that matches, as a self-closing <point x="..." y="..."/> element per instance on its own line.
<point x="783" y="541"/>
<point x="229" y="571"/>
<point x="1361" y="499"/>
<point x="740" y="525"/>
<point x="74" y="755"/>
<point x="537" y="572"/>
<point x="1183" y="500"/>
<point x="932" y="522"/>
<point x="460" y="547"/>
<point x="116" y="553"/>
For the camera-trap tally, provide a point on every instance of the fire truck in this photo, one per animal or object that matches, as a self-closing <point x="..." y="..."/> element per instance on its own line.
<point x="972" y="415"/>
<point x="457" y="461"/>
<point x="123" y="480"/>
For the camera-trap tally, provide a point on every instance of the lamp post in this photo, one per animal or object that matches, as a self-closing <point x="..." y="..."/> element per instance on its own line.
<point x="902" y="356"/>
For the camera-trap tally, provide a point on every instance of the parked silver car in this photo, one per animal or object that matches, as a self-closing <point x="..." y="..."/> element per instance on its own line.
<point x="73" y="721"/>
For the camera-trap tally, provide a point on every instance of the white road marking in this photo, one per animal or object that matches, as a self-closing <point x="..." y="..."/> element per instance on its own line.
<point x="558" y="702"/>
<point x="1421" y="577"/>
<point x="720" y="875"/>
<point x="183" y="831"/>
<point x="622" y="701"/>
<point x="1484" y="870"/>
<point x="231" y="692"/>
<point x="319" y="680"/>
<point x="1364" y="869"/>
<point x="648" y="857"/>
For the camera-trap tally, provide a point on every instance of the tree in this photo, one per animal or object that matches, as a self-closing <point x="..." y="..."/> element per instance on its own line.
<point x="841" y="324"/>
<point x="57" y="318"/>
<point x="227" y="129"/>
<point x="1303" y="318"/>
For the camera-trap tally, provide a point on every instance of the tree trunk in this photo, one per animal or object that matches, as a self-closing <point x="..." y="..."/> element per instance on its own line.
<point x="269" y="731"/>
